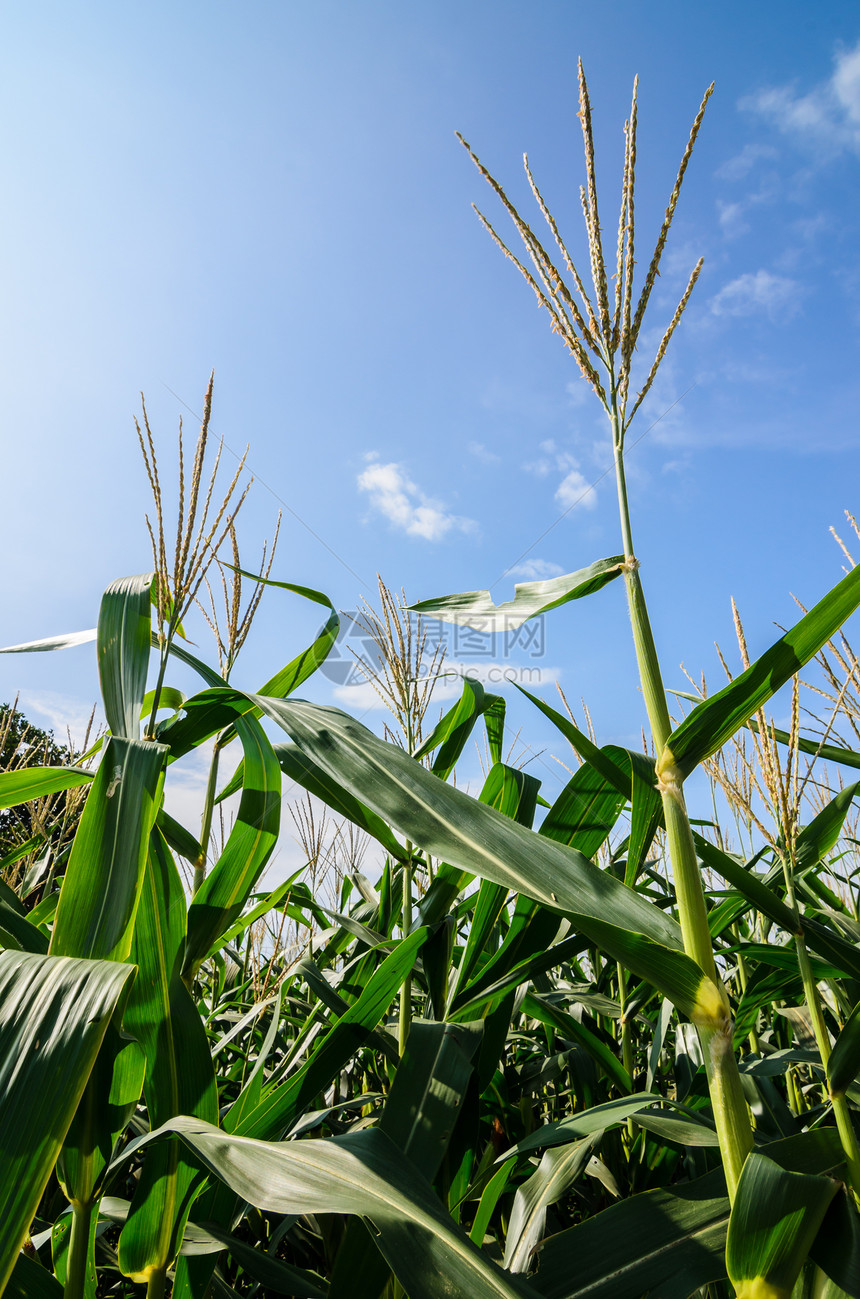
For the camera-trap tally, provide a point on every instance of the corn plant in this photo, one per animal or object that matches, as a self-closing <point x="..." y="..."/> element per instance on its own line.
<point x="595" y="1055"/>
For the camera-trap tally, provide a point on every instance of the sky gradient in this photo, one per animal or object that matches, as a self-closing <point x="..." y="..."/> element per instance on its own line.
<point x="275" y="191"/>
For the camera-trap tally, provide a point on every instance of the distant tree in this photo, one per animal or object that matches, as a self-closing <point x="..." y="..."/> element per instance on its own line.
<point x="44" y="822"/>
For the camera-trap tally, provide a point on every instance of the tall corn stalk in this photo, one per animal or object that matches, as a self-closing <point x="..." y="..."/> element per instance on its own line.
<point x="601" y="326"/>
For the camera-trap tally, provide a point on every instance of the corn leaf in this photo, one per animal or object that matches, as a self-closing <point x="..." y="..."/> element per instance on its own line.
<point x="101" y="888"/>
<point x="179" y="1079"/>
<point x="717" y="718"/>
<point x="465" y="833"/>
<point x="122" y="649"/>
<point x="26" y="783"/>
<point x="558" y="1168"/>
<point x="774" y="1221"/>
<point x="362" y="1173"/>
<point x="224" y="892"/>
<point x="54" y="1012"/>
<point x="476" y="608"/>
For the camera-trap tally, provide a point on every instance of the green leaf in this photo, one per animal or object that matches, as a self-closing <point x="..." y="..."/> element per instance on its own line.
<point x="476" y="608"/>
<point x="29" y="1280"/>
<point x="101" y="888"/>
<point x="544" y="1011"/>
<point x="122" y="649"/>
<point x="662" y="1242"/>
<point x="717" y="718"/>
<point x="16" y="930"/>
<point x="179" y="1079"/>
<point x="826" y="752"/>
<point x="451" y="732"/>
<point x="586" y="810"/>
<point x="224" y="892"/>
<point x="558" y="1168"/>
<point x="54" y="1012"/>
<point x="35" y="782"/>
<point x="844" y="1063"/>
<point x="362" y="1173"/>
<point x="774" y="1220"/>
<point x="819" y="838"/>
<point x="465" y="833"/>
<point x="65" y="641"/>
<point x="282" y="1102"/>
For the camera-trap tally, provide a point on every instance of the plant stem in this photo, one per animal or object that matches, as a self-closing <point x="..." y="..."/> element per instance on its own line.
<point x="206" y="825"/>
<point x="731" y="1115"/>
<point x="156" y="1284"/>
<point x="79" y="1249"/>
<point x="406" y="986"/>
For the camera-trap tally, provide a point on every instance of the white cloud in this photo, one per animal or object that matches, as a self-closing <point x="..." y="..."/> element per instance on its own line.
<point x="777" y="295"/>
<point x="742" y="164"/>
<point x="574" y="489"/>
<point x="482" y="453"/>
<point x="62" y="714"/>
<point x="827" y="117"/>
<point x="535" y="570"/>
<point x="394" y="495"/>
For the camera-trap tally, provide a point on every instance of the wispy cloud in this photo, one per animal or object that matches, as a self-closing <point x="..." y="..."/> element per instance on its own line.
<point x="758" y="291"/>
<point x="827" y="117"/>
<point x="750" y="156"/>
<point x="574" y="488"/>
<point x="482" y="453"/>
<point x="393" y="494"/>
<point x="535" y="570"/>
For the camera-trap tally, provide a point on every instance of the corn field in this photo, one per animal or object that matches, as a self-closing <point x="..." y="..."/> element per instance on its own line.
<point x="478" y="1046"/>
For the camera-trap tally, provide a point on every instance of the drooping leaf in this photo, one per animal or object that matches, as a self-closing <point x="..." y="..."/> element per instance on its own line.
<point x="122" y="649"/>
<point x="558" y="1168"/>
<point x="65" y="641"/>
<point x="476" y="608"/>
<point x="467" y="834"/>
<point x="54" y="1012"/>
<point x="361" y="1173"/>
<point x="774" y="1220"/>
<point x="101" y="888"/>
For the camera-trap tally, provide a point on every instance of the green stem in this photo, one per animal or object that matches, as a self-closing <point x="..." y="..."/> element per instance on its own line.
<point x="206" y="824"/>
<point x="731" y="1116"/>
<point x="405" y="925"/>
<point x="156" y="1284"/>
<point x="79" y="1251"/>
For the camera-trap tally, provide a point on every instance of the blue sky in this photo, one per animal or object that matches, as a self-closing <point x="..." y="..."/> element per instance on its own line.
<point x="275" y="190"/>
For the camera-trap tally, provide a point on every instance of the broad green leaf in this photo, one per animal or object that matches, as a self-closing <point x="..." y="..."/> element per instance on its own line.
<point x="122" y="649"/>
<point x="586" y="810"/>
<point x="663" y="1242"/>
<point x="774" y="1220"/>
<point x="465" y="833"/>
<point x="178" y="838"/>
<point x="299" y="768"/>
<point x="179" y="1078"/>
<point x="632" y="774"/>
<point x="844" y="1063"/>
<point x="819" y="838"/>
<point x="476" y="608"/>
<point x="16" y="929"/>
<point x="225" y="890"/>
<point x="29" y="1280"/>
<point x="597" y="1119"/>
<point x="54" y="1012"/>
<point x="101" y="888"/>
<point x="558" y="1168"/>
<point x="267" y="904"/>
<point x="26" y="783"/>
<point x="717" y="718"/>
<point x="66" y="641"/>
<point x="362" y="1173"/>
<point x="451" y="732"/>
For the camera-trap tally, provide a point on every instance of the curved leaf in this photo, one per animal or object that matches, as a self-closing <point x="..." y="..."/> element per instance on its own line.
<point x="122" y="649"/>
<point x="476" y="608"/>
